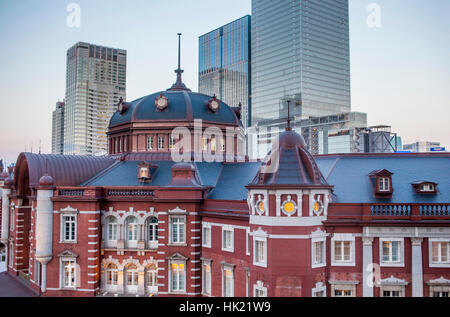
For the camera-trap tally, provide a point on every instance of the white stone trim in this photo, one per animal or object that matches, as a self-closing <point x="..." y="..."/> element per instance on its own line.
<point x="319" y="287"/>
<point x="343" y="237"/>
<point x="430" y="253"/>
<point x="287" y="221"/>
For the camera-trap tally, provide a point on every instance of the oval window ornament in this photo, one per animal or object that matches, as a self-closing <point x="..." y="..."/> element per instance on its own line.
<point x="161" y="102"/>
<point x="318" y="207"/>
<point x="260" y="206"/>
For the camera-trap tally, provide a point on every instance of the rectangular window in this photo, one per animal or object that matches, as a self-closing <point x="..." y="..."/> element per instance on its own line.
<point x="178" y="277"/>
<point x="260" y="252"/>
<point x="227" y="240"/>
<point x="440" y="294"/>
<point x="172" y="142"/>
<point x="384" y="184"/>
<point x="343" y="251"/>
<point x="391" y="293"/>
<point x="228" y="283"/>
<point x="112" y="231"/>
<point x="319" y="294"/>
<point x="69" y="277"/>
<point x="319" y="252"/>
<point x="178" y="229"/>
<point x="161" y="143"/>
<point x="111" y="277"/>
<point x="69" y="227"/>
<point x="149" y="143"/>
<point x="222" y="144"/>
<point x="342" y="293"/>
<point x="391" y="251"/>
<point x="441" y="252"/>
<point x="207" y="237"/>
<point x="132" y="278"/>
<point x="207" y="279"/>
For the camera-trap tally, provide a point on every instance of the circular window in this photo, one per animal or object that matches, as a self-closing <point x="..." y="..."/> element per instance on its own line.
<point x="289" y="207"/>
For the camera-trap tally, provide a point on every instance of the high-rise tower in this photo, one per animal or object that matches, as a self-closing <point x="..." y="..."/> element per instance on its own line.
<point x="95" y="81"/>
<point x="224" y="65"/>
<point x="58" y="129"/>
<point x="300" y="52"/>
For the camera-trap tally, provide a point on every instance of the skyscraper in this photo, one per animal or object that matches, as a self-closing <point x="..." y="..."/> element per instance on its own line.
<point x="95" y="81"/>
<point x="300" y="51"/>
<point x="224" y="64"/>
<point x="58" y="129"/>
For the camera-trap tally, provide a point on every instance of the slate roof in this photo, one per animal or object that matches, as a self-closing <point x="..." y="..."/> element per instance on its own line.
<point x="349" y="175"/>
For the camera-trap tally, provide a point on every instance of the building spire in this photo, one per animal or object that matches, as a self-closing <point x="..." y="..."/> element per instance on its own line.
<point x="288" y="128"/>
<point x="179" y="85"/>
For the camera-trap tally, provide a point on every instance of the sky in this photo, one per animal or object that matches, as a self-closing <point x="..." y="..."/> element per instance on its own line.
<point x="400" y="71"/>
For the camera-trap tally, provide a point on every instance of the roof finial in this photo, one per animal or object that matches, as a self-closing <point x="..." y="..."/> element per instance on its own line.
<point x="179" y="85"/>
<point x="288" y="128"/>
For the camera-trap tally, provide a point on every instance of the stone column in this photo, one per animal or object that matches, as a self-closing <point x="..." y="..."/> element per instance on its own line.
<point x="44" y="226"/>
<point x="367" y="268"/>
<point x="416" y="271"/>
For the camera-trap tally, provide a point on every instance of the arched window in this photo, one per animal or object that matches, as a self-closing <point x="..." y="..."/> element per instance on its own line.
<point x="152" y="279"/>
<point x="131" y="279"/>
<point x="153" y="229"/>
<point x="111" y="276"/>
<point x="152" y="233"/>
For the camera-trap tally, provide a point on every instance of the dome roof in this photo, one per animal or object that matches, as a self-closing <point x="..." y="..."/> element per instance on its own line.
<point x="184" y="105"/>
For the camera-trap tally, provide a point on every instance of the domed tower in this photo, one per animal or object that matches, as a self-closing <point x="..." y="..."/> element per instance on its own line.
<point x="288" y="201"/>
<point x="176" y="121"/>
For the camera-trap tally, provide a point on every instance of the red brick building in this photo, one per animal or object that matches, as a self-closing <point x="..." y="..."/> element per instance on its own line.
<point x="136" y="222"/>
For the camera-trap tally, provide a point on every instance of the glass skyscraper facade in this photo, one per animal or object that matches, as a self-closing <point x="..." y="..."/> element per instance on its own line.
<point x="224" y="65"/>
<point x="95" y="81"/>
<point x="300" y="51"/>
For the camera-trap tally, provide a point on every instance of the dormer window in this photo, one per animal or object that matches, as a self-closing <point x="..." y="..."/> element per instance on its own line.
<point x="144" y="172"/>
<point x="382" y="183"/>
<point x="424" y="187"/>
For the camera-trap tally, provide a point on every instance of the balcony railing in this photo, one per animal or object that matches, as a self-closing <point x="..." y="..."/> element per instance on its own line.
<point x="130" y="193"/>
<point x="390" y="210"/>
<point x="71" y="192"/>
<point x="435" y="210"/>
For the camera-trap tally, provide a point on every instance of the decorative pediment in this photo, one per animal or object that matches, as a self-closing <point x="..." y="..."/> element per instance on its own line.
<point x="69" y="210"/>
<point x="392" y="281"/>
<point x="439" y="282"/>
<point x="178" y="210"/>
<point x="177" y="257"/>
<point x="260" y="233"/>
<point x="68" y="254"/>
<point x="318" y="233"/>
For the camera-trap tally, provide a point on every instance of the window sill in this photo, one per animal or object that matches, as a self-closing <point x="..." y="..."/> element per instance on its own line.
<point x="177" y="245"/>
<point x="228" y="250"/>
<point x="443" y="265"/>
<point x="264" y="265"/>
<point x="68" y="242"/>
<point x="318" y="265"/>
<point x="343" y="264"/>
<point x="392" y="264"/>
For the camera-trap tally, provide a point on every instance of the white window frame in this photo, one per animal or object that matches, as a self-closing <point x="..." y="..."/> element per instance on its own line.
<point x="224" y="247"/>
<point x="161" y="142"/>
<point x="382" y="184"/>
<point x="172" y="142"/>
<point x="344" y="286"/>
<point x="430" y="252"/>
<point x="320" y="287"/>
<point x="11" y="255"/>
<point x="256" y="241"/>
<point x="131" y="243"/>
<point x="401" y="262"/>
<point x="149" y="143"/>
<point x="206" y="235"/>
<point x="313" y="252"/>
<point x="177" y="290"/>
<point x="64" y="214"/>
<point x="342" y="238"/>
<point x="182" y="240"/>
<point x="231" y="269"/>
<point x="392" y="288"/>
<point x="206" y="277"/>
<point x="62" y="276"/>
<point x="439" y="289"/>
<point x="259" y="286"/>
<point x="111" y="243"/>
<point x="247" y="241"/>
